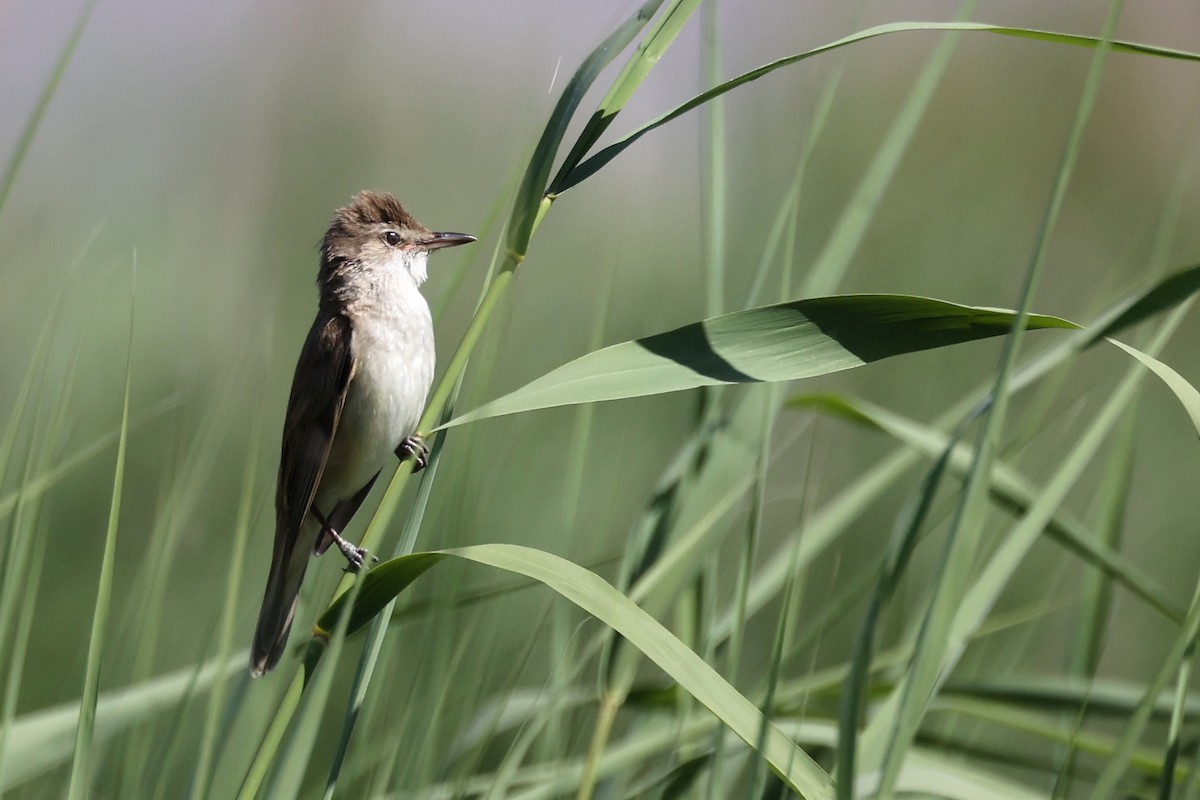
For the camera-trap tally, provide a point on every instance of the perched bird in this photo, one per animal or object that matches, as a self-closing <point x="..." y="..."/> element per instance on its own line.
<point x="357" y="395"/>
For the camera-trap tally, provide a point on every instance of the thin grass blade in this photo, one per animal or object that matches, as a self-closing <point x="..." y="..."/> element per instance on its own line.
<point x="81" y="767"/>
<point x="9" y="178"/>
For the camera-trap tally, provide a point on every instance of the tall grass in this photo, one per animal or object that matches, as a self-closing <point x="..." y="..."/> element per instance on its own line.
<point x="737" y="586"/>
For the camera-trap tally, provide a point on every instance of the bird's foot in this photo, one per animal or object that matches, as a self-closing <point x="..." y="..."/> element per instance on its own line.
<point x="356" y="557"/>
<point x="414" y="447"/>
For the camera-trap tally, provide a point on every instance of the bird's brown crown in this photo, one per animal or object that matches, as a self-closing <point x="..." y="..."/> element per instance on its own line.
<point x="372" y="208"/>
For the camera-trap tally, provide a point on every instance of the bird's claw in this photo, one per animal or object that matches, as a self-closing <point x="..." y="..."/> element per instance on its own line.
<point x="414" y="447"/>
<point x="356" y="557"/>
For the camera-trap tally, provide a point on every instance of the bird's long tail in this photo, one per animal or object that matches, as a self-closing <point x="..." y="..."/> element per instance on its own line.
<point x="288" y="566"/>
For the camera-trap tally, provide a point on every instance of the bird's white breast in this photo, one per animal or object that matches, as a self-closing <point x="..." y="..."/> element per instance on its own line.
<point x="392" y="345"/>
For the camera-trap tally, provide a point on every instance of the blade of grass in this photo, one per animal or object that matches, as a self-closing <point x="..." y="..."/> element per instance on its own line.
<point x="18" y="595"/>
<point x="609" y="700"/>
<point x="27" y="538"/>
<point x="789" y="605"/>
<point x="1097" y="593"/>
<point x="1027" y="723"/>
<point x="851" y="704"/>
<point x="171" y="746"/>
<point x="9" y="178"/>
<point x="81" y="766"/>
<point x="183" y="490"/>
<point x="786" y="622"/>
<point x="1103" y="697"/>
<point x="714" y="186"/>
<point x="15" y="541"/>
<point x="1135" y="726"/>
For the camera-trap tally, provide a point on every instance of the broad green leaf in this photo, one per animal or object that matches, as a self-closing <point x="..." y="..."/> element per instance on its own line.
<point x="597" y="597"/>
<point x="780" y="342"/>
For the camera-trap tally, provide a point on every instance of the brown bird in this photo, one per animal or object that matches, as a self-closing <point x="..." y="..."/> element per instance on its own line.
<point x="357" y="395"/>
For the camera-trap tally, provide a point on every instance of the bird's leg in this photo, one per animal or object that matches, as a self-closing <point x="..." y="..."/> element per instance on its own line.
<point x="355" y="556"/>
<point x="414" y="447"/>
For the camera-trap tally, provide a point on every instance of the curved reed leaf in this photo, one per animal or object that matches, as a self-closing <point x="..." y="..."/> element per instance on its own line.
<point x="780" y="342"/>
<point x="592" y="165"/>
<point x="597" y="597"/>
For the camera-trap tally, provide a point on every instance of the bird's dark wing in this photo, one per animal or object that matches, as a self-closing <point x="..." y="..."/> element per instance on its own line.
<point x="323" y="374"/>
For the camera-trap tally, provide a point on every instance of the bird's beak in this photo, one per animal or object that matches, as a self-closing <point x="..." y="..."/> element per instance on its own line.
<point x="439" y="240"/>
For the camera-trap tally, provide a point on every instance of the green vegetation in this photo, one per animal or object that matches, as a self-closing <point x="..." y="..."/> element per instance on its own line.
<point x="964" y="570"/>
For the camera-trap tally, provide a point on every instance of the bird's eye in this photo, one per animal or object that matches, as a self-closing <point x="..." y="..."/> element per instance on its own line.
<point x="392" y="238"/>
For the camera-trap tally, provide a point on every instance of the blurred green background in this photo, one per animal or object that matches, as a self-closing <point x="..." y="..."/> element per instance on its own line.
<point x="210" y="143"/>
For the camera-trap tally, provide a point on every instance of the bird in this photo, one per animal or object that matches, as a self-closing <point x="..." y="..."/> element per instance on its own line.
<point x="360" y="386"/>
